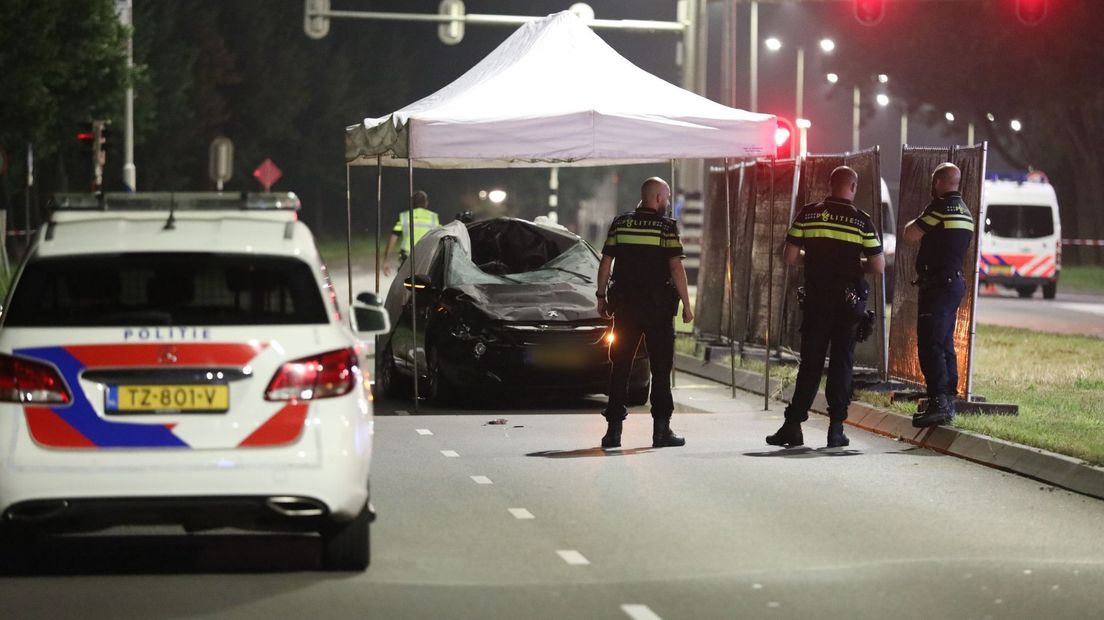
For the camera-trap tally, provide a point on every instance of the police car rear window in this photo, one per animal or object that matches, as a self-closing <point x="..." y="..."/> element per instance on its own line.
<point x="165" y="289"/>
<point x="1019" y="221"/>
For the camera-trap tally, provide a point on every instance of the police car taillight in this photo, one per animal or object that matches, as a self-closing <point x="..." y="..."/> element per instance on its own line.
<point x="322" y="376"/>
<point x="24" y="381"/>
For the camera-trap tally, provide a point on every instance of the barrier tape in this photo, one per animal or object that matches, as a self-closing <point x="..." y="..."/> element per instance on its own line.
<point x="1092" y="242"/>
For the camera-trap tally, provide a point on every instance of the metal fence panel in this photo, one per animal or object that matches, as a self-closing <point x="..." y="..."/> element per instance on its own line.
<point x="709" y="308"/>
<point x="917" y="164"/>
<point x="812" y="187"/>
<point x="773" y="199"/>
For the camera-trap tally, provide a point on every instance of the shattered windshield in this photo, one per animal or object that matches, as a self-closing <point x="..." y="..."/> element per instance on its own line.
<point x="578" y="264"/>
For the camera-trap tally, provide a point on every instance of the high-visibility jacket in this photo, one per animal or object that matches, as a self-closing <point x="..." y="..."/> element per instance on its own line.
<point x="424" y="221"/>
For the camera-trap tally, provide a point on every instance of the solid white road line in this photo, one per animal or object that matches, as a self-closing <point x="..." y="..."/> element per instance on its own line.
<point x="573" y="557"/>
<point x="450" y="453"/>
<point x="424" y="431"/>
<point x="640" y="612"/>
<point x="521" y="513"/>
<point x="481" y="480"/>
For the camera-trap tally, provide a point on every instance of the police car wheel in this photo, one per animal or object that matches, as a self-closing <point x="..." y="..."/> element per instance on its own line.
<point x="1050" y="290"/>
<point x="638" y="395"/>
<point x="347" y="546"/>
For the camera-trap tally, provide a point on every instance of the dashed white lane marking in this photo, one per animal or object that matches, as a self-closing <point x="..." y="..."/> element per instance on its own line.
<point x="573" y="557"/>
<point x="640" y="612"/>
<point x="481" y="480"/>
<point x="450" y="453"/>
<point x="521" y="513"/>
<point x="424" y="431"/>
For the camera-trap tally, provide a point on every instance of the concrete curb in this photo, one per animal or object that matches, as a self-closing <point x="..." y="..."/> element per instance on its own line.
<point x="1057" y="469"/>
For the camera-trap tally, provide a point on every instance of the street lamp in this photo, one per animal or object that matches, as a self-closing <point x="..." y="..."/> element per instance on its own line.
<point x="882" y="99"/>
<point x="949" y="116"/>
<point x="1016" y="125"/>
<point x="832" y="78"/>
<point x="826" y="46"/>
<point x="883" y="78"/>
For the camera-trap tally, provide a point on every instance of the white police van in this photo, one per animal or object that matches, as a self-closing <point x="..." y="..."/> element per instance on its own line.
<point x="1021" y="240"/>
<point x="182" y="359"/>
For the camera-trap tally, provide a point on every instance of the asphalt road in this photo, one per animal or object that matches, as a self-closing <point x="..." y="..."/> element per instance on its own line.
<point x="528" y="519"/>
<point x="1068" y="313"/>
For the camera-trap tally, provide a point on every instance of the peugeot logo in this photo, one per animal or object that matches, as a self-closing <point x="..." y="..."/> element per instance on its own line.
<point x="552" y="314"/>
<point x="168" y="356"/>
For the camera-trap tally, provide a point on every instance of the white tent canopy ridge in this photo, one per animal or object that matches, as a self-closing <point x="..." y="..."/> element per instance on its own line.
<point x="555" y="94"/>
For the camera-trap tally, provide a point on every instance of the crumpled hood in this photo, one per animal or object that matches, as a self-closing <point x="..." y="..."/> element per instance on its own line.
<point x="534" y="302"/>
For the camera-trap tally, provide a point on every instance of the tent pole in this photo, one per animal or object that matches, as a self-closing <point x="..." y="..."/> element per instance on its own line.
<point x="674" y="193"/>
<point x="728" y="279"/>
<point x="413" y="286"/>
<point x="349" y="235"/>
<point x="770" y="289"/>
<point x="379" y="215"/>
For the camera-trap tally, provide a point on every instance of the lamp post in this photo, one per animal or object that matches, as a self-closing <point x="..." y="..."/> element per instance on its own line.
<point x="826" y="46"/>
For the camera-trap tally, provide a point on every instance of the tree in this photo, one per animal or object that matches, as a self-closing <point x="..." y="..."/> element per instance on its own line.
<point x="980" y="60"/>
<point x="62" y="63"/>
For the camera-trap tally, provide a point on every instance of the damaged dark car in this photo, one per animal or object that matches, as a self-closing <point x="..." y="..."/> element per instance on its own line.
<point x="503" y="305"/>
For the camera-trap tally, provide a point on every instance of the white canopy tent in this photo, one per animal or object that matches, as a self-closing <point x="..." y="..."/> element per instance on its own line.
<point x="555" y="94"/>
<point x="552" y="94"/>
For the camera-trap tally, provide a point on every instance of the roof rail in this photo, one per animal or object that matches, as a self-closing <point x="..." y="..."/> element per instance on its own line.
<point x="175" y="201"/>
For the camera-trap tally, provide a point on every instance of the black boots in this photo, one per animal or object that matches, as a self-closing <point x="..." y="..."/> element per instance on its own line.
<point x="836" y="438"/>
<point x="788" y="435"/>
<point x="612" y="438"/>
<point x="939" y="411"/>
<point x="663" y="436"/>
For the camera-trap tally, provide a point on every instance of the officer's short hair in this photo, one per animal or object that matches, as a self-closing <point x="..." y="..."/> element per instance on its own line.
<point x="843" y="176"/>
<point x="420" y="199"/>
<point x="947" y="173"/>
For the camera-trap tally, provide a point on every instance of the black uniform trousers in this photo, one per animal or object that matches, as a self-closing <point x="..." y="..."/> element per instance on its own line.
<point x="629" y="325"/>
<point x="827" y="327"/>
<point x="936" y="314"/>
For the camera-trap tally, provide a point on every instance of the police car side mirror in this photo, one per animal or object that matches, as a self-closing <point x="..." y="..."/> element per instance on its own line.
<point x="369" y="315"/>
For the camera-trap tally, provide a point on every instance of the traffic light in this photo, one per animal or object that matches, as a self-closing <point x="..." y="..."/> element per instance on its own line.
<point x="92" y="136"/>
<point x="869" y="12"/>
<point x="1031" y="12"/>
<point x="784" y="138"/>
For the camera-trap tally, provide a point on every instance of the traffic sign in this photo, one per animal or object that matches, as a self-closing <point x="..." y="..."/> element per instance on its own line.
<point x="451" y="32"/>
<point x="267" y="173"/>
<point x="220" y="160"/>
<point x="316" y="26"/>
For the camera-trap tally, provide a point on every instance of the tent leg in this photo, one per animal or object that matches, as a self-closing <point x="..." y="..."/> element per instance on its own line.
<point x="379" y="215"/>
<point x="728" y="280"/>
<point x="770" y="289"/>
<point x="674" y="193"/>
<point x="413" y="289"/>
<point x="349" y="235"/>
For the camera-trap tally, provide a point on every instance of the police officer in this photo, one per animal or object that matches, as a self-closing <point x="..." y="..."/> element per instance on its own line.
<point x="644" y="250"/>
<point x="415" y="222"/>
<point x="839" y="244"/>
<point x="944" y="230"/>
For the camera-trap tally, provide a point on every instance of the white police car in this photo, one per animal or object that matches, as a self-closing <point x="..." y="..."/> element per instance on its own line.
<point x="182" y="359"/>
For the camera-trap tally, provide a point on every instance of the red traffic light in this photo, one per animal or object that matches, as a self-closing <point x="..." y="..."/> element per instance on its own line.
<point x="1031" y="12"/>
<point x="85" y="136"/>
<point x="869" y="12"/>
<point x="783" y="138"/>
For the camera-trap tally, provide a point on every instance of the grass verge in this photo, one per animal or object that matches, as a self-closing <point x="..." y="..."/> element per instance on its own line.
<point x="1057" y="381"/>
<point x="1082" y="278"/>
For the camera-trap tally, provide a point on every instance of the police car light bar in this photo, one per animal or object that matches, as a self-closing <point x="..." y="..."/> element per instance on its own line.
<point x="176" y="201"/>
